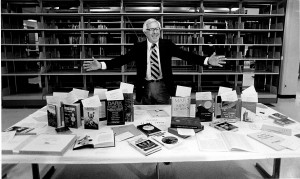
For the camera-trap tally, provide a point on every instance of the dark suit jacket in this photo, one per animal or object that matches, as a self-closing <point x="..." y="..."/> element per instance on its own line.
<point x="167" y="50"/>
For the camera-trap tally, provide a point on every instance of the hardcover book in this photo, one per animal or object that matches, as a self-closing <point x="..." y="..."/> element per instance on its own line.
<point x="128" y="107"/>
<point x="48" y="144"/>
<point x="204" y="106"/>
<point x="145" y="145"/>
<point x="224" y="126"/>
<point x="91" y="117"/>
<point x="72" y="117"/>
<point x="167" y="139"/>
<point x="96" y="140"/>
<point x="186" y="122"/>
<point x="53" y="115"/>
<point x="115" y="112"/>
<point x="148" y="129"/>
<point x="180" y="106"/>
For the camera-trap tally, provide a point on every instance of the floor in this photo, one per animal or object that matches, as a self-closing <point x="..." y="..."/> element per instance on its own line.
<point x="223" y="169"/>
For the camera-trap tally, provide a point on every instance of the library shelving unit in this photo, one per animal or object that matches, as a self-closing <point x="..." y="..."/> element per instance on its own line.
<point x="44" y="43"/>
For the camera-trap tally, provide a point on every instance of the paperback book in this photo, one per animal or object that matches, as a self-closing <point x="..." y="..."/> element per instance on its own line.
<point x="53" y="115"/>
<point x="284" y="121"/>
<point x="91" y="117"/>
<point x="225" y="141"/>
<point x="128" y="107"/>
<point x="20" y="130"/>
<point x="145" y="145"/>
<point x="115" y="112"/>
<point x="96" y="140"/>
<point x="224" y="126"/>
<point x="204" y="106"/>
<point x="72" y="117"/>
<point x="186" y="122"/>
<point x="167" y="139"/>
<point x="148" y="129"/>
<point x="175" y="132"/>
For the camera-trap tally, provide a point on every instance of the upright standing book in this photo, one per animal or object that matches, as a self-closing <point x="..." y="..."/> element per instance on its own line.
<point x="91" y="117"/>
<point x="128" y="107"/>
<point x="53" y="115"/>
<point x="180" y="106"/>
<point x="115" y="112"/>
<point x="72" y="115"/>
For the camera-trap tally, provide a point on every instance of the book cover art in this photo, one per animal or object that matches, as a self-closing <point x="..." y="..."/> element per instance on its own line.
<point x="53" y="115"/>
<point x="91" y="117"/>
<point x="284" y="121"/>
<point x="146" y="146"/>
<point x="128" y="107"/>
<point x="204" y="110"/>
<point x="186" y="122"/>
<point x="115" y="112"/>
<point x="229" y="110"/>
<point x="224" y="126"/>
<point x="148" y="129"/>
<point x="72" y="115"/>
<point x="167" y="139"/>
<point x="180" y="106"/>
<point x="19" y="129"/>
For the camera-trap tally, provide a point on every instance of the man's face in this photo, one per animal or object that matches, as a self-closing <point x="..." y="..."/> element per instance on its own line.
<point x="153" y="32"/>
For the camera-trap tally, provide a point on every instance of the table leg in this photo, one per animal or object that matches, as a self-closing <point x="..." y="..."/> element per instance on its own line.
<point x="36" y="172"/>
<point x="157" y="170"/>
<point x="276" y="169"/>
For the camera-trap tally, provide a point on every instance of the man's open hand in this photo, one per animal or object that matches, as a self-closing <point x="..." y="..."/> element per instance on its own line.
<point x="92" y="65"/>
<point x="214" y="60"/>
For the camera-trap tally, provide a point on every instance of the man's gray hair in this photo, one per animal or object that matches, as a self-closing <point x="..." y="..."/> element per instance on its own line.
<point x="149" y="21"/>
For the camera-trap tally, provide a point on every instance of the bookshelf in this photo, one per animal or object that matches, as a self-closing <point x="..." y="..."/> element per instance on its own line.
<point x="43" y="44"/>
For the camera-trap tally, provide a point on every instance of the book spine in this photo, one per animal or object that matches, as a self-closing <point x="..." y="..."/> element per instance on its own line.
<point x="185" y="126"/>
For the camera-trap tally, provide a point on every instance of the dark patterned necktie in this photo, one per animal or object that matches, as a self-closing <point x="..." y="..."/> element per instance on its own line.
<point x="155" y="72"/>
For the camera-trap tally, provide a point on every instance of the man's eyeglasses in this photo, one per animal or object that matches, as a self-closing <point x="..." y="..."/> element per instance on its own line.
<point x="153" y="29"/>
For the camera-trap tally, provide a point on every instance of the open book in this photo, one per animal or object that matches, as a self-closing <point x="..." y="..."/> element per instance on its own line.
<point x="96" y="140"/>
<point x="225" y="141"/>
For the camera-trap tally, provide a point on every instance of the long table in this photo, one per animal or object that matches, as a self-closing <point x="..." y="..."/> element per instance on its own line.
<point x="188" y="151"/>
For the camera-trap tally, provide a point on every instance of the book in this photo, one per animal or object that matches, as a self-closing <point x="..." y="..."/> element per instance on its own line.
<point x="167" y="139"/>
<point x="145" y="145"/>
<point x="96" y="140"/>
<point x="175" y="132"/>
<point x="180" y="106"/>
<point x="204" y="106"/>
<point x="224" y="126"/>
<point x="284" y="121"/>
<point x="268" y="139"/>
<point x="49" y="144"/>
<point x="91" y="117"/>
<point x="277" y="116"/>
<point x="20" y="130"/>
<point x="225" y="141"/>
<point x="128" y="107"/>
<point x="14" y="144"/>
<point x="71" y="113"/>
<point x="53" y="115"/>
<point x="157" y="113"/>
<point x="148" y="129"/>
<point x="125" y="132"/>
<point x="115" y="112"/>
<point x="186" y="122"/>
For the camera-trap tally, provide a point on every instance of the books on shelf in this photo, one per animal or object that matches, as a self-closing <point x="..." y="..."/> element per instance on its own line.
<point x="145" y="145"/>
<point x="96" y="140"/>
<point x="167" y="139"/>
<point x="71" y="113"/>
<point x="48" y="144"/>
<point x="224" y="126"/>
<point x="186" y="122"/>
<point x="225" y="141"/>
<point x="148" y="129"/>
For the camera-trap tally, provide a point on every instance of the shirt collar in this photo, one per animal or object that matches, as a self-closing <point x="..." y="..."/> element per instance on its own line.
<point x="149" y="44"/>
